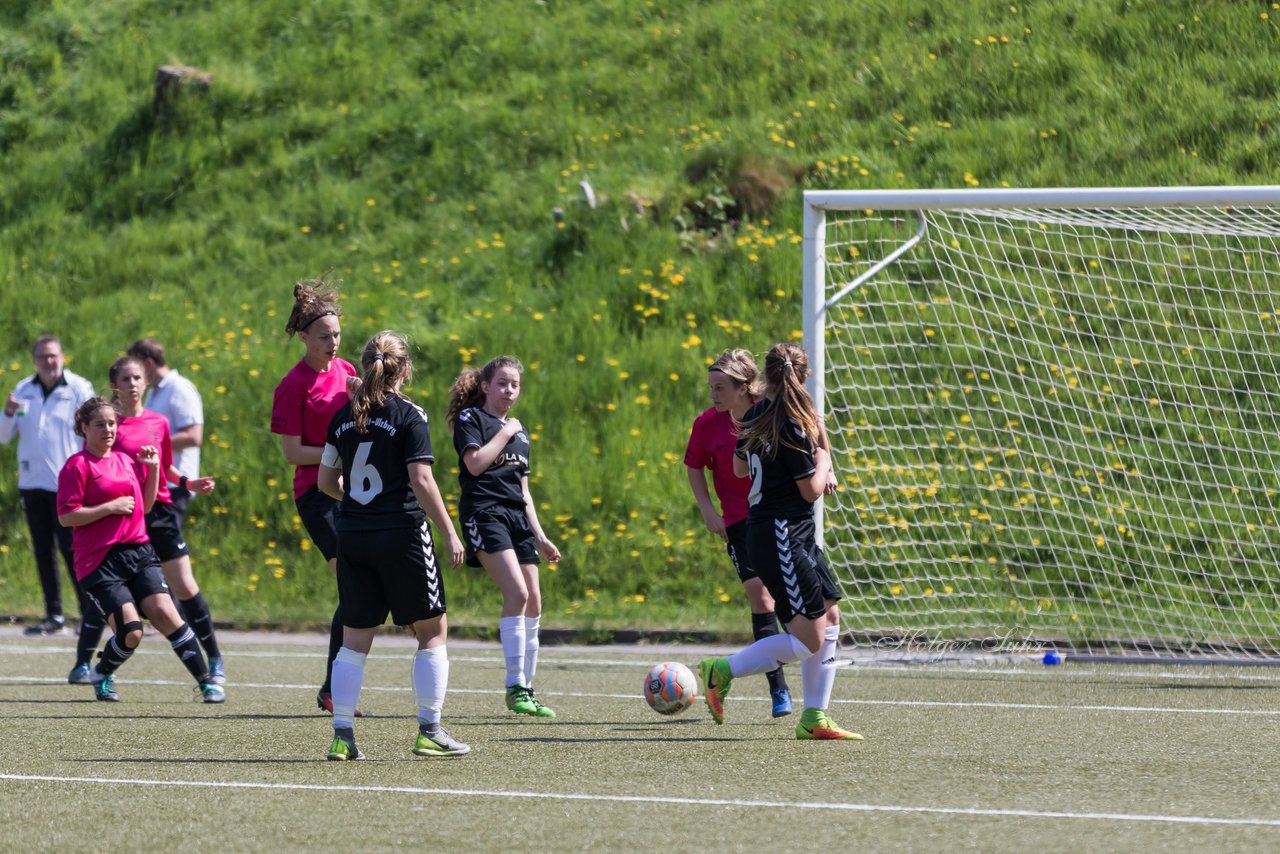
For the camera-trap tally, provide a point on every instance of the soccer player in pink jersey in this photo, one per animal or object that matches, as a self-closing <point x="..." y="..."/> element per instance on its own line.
<point x="735" y="385"/>
<point x="102" y="499"/>
<point x="305" y="401"/>
<point x="140" y="427"/>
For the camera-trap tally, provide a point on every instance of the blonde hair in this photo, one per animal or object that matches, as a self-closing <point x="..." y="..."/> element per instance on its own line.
<point x="786" y="367"/>
<point x="740" y="366"/>
<point x="312" y="300"/>
<point x="386" y="364"/>
<point x="467" y="391"/>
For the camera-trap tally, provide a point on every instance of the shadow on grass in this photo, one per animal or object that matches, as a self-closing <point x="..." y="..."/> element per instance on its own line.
<point x="614" y="740"/>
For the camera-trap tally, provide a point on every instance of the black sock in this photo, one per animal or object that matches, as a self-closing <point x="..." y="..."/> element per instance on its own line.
<point x="763" y="626"/>
<point x="90" y="634"/>
<point x="114" y="653"/>
<point x="187" y="648"/>
<point x="196" y="610"/>
<point x="335" y="644"/>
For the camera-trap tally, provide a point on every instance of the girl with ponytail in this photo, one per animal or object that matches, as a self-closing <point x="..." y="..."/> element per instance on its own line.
<point x="499" y="522"/>
<point x="377" y="462"/>
<point x="783" y="450"/>
<point x="735" y="385"/>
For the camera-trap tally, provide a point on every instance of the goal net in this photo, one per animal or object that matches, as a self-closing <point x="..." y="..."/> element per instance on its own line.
<point x="1055" y="416"/>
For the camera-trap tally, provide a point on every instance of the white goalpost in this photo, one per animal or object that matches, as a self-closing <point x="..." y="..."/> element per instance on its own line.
<point x="1055" y="416"/>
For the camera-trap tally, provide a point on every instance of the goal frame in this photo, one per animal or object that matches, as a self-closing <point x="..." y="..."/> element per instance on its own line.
<point x="817" y="302"/>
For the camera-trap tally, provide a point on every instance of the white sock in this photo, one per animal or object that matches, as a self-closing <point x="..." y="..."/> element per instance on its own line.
<point x="511" y="631"/>
<point x="430" y="683"/>
<point x="819" y="671"/>
<point x="766" y="654"/>
<point x="348" y="676"/>
<point x="531" y="645"/>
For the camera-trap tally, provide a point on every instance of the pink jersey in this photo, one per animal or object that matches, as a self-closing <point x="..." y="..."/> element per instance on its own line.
<point x="149" y="428"/>
<point x="305" y="403"/>
<point x="87" y="481"/>
<point x="711" y="444"/>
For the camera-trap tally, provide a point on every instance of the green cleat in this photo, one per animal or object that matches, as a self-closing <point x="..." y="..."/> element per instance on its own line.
<point x="816" y="725"/>
<point x="343" y="747"/>
<point x="438" y="743"/>
<point x="520" y="700"/>
<point x="540" y="711"/>
<point x="208" y="692"/>
<point x="716" y="679"/>
<point x="104" y="687"/>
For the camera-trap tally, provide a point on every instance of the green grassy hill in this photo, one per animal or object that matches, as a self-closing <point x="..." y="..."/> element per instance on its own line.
<point x="421" y="151"/>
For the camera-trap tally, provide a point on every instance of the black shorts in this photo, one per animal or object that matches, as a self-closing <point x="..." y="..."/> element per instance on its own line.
<point x="164" y="530"/>
<point x="496" y="529"/>
<point x="787" y="559"/>
<point x="737" y="549"/>
<point x="181" y="498"/>
<point x="129" y="573"/>
<point x="392" y="571"/>
<point x="319" y="514"/>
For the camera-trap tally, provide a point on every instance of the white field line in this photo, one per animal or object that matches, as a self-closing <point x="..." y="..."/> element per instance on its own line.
<point x="276" y="686"/>
<point x="650" y="799"/>
<point x="155" y="646"/>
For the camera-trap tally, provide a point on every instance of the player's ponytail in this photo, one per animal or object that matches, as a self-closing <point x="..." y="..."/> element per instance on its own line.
<point x="786" y="367"/>
<point x="467" y="390"/>
<point x="312" y="300"/>
<point x="386" y="365"/>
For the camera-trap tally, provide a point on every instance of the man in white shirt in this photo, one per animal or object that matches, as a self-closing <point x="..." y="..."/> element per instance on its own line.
<point x="175" y="397"/>
<point x="41" y="412"/>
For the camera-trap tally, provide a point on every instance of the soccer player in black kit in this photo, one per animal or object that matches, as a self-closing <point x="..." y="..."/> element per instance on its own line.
<point x="783" y="449"/>
<point x="377" y="462"/>
<point x="499" y="522"/>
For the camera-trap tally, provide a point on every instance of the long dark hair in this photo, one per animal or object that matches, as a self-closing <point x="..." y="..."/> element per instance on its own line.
<point x="467" y="390"/>
<point x="786" y="367"/>
<point x="385" y="361"/>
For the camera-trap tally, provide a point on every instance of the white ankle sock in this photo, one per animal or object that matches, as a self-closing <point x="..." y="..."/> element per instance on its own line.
<point x="819" y="671"/>
<point x="511" y="631"/>
<point x="430" y="682"/>
<point x="348" y="677"/>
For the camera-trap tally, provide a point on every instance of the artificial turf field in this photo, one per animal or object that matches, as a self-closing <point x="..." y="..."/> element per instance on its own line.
<point x="994" y="757"/>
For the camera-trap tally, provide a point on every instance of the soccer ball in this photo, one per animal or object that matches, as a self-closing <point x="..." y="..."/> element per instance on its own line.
<point x="670" y="688"/>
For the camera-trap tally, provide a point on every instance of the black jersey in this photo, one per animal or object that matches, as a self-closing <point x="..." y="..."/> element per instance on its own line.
<point x="500" y="483"/>
<point x="375" y="472"/>
<point x="774" y="472"/>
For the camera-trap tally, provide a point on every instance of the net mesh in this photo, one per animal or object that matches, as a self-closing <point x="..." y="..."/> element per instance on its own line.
<point x="1057" y="426"/>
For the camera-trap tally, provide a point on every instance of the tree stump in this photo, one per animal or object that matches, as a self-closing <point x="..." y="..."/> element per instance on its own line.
<point x="171" y="78"/>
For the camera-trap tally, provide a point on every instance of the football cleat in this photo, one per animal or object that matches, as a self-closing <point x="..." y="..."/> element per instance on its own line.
<point x="80" y="675"/>
<point x="324" y="700"/>
<point x="47" y="627"/>
<point x="815" y="724"/>
<point x="217" y="670"/>
<point x="781" y="702"/>
<point x="716" y="679"/>
<point x="104" y="687"/>
<point x="343" y="747"/>
<point x="438" y="743"/>
<point x="520" y="700"/>
<point x="208" y="692"/>
<point x="540" y="711"/>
